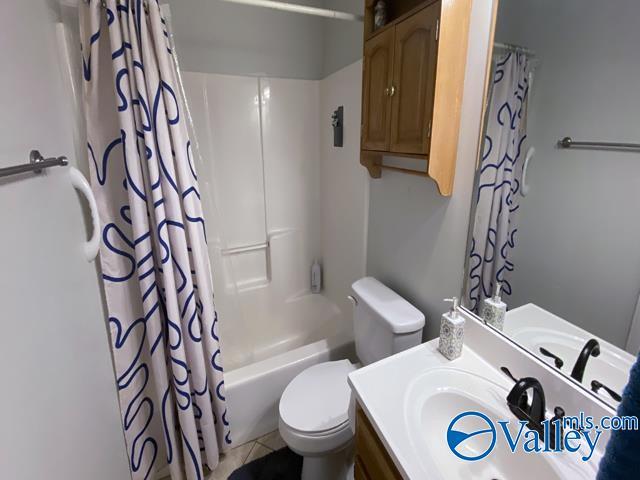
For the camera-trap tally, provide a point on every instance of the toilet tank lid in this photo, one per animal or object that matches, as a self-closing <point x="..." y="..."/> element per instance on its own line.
<point x="395" y="311"/>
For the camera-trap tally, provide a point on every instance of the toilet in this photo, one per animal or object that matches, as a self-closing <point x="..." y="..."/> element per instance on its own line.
<point x="316" y="408"/>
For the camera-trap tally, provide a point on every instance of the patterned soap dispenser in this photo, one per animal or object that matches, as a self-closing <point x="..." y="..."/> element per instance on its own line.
<point x="451" y="331"/>
<point x="494" y="310"/>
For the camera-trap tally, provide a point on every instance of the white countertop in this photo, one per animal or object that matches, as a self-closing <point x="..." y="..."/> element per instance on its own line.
<point x="408" y="400"/>
<point x="381" y="389"/>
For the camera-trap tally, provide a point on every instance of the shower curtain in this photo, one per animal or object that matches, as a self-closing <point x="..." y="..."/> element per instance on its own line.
<point x="498" y="190"/>
<point x="154" y="260"/>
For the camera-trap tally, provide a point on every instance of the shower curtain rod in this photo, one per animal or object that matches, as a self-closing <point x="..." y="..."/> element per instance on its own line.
<point x="514" y="48"/>
<point x="296" y="8"/>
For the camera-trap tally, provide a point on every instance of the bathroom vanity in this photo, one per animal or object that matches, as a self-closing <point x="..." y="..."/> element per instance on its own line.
<point x="408" y="402"/>
<point x="371" y="459"/>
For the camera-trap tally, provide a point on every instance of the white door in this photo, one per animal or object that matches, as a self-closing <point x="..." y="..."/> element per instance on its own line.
<point x="59" y="416"/>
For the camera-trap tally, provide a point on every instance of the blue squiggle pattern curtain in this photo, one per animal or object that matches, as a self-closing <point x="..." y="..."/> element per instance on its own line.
<point x="498" y="194"/>
<point x="154" y="259"/>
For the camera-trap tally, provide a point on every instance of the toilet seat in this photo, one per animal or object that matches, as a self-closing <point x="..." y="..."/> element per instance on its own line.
<point x="314" y="409"/>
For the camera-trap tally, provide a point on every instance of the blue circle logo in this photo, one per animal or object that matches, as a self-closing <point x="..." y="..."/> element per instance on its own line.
<point x="471" y="436"/>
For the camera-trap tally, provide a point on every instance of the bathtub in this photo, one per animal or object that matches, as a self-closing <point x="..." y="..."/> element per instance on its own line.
<point x="254" y="391"/>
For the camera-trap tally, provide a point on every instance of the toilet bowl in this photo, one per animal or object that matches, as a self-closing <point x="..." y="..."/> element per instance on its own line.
<point x="314" y="420"/>
<point x="317" y="407"/>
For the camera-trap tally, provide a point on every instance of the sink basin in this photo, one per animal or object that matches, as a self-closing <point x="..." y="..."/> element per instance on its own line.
<point x="413" y="397"/>
<point x="438" y="396"/>
<point x="533" y="327"/>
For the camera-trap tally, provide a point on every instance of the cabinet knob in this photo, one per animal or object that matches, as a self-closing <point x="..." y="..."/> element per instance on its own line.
<point x="392" y="91"/>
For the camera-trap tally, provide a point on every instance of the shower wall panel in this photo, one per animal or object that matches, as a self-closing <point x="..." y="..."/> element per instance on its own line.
<point x="259" y="172"/>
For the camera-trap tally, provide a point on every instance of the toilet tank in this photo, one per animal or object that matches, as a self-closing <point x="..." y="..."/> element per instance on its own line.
<point x="384" y="323"/>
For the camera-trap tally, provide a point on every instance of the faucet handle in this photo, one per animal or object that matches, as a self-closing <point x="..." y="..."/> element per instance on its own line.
<point x="555" y="424"/>
<point x="596" y="385"/>
<point x="558" y="413"/>
<point x="508" y="373"/>
<point x="556" y="359"/>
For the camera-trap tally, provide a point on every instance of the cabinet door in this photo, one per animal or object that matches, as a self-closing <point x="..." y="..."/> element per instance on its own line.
<point x="376" y="102"/>
<point x="414" y="74"/>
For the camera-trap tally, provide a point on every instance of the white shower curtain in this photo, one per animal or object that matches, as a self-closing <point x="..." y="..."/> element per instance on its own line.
<point x="154" y="259"/>
<point x="498" y="189"/>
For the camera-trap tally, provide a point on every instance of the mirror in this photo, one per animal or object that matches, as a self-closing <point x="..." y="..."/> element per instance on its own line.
<point x="554" y="217"/>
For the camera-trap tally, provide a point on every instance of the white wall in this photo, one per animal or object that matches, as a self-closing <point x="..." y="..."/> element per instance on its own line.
<point x="416" y="237"/>
<point x="344" y="187"/>
<point x="217" y="37"/>
<point x="577" y="253"/>
<point x="342" y="40"/>
<point x="59" y="409"/>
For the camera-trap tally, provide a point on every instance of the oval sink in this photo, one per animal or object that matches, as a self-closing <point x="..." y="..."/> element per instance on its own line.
<point x="438" y="396"/>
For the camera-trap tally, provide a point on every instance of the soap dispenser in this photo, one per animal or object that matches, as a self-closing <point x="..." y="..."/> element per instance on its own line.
<point x="451" y="331"/>
<point x="316" y="277"/>
<point x="494" y="310"/>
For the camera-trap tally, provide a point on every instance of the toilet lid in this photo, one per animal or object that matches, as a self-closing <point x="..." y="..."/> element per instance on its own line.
<point x="318" y="399"/>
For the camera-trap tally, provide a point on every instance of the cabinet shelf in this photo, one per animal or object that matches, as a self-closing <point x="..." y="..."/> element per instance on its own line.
<point x="394" y="17"/>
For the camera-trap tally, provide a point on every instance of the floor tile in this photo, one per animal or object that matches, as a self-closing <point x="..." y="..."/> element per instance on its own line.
<point x="231" y="461"/>
<point x="272" y="440"/>
<point x="258" y="451"/>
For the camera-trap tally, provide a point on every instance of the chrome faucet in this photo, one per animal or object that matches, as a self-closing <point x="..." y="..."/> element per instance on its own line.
<point x="590" y="349"/>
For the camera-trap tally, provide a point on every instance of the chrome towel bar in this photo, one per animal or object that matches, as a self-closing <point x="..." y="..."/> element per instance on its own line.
<point x="568" y="142"/>
<point x="36" y="164"/>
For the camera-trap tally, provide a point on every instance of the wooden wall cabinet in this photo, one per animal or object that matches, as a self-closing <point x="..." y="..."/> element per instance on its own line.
<point x="413" y="79"/>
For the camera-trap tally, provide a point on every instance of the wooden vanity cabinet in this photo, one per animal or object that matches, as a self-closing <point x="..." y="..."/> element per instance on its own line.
<point x="372" y="462"/>
<point x="413" y="78"/>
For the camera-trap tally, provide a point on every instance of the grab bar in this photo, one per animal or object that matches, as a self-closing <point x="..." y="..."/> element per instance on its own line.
<point x="80" y="183"/>
<point x="245" y="249"/>
<point x="36" y="164"/>
<point x="525" y="170"/>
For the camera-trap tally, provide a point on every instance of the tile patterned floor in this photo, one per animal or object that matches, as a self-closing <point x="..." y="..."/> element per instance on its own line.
<point x="246" y="453"/>
<point x="234" y="459"/>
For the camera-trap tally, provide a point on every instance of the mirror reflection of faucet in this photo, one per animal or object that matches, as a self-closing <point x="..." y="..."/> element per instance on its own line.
<point x="556" y="359"/>
<point x="596" y="386"/>
<point x="590" y="349"/>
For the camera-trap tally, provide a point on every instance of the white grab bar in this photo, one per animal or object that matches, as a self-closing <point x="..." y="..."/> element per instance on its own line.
<point x="525" y="186"/>
<point x="92" y="246"/>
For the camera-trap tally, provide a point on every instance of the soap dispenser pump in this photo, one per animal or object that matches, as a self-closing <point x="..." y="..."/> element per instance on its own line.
<point x="494" y="310"/>
<point x="451" y="331"/>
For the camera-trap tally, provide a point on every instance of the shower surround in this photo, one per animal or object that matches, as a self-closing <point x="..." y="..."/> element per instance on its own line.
<point x="271" y="180"/>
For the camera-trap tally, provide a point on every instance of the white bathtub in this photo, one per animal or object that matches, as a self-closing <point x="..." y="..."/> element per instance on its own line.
<point x="254" y="391"/>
